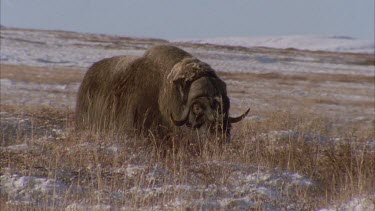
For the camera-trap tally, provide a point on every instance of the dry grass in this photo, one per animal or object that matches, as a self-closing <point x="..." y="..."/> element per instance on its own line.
<point x="58" y="75"/>
<point x="252" y="172"/>
<point x="97" y="174"/>
<point x="31" y="74"/>
<point x="318" y="91"/>
<point x="138" y="173"/>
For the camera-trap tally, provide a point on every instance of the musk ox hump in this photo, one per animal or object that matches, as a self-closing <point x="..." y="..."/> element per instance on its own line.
<point x="190" y="69"/>
<point x="165" y="56"/>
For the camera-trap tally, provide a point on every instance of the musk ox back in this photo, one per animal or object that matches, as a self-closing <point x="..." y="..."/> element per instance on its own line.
<point x="165" y="90"/>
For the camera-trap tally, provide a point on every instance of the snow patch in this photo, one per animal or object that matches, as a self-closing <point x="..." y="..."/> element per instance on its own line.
<point x="98" y="207"/>
<point x="22" y="148"/>
<point x="30" y="189"/>
<point x="290" y="134"/>
<point x="41" y="48"/>
<point x="130" y="170"/>
<point x="356" y="204"/>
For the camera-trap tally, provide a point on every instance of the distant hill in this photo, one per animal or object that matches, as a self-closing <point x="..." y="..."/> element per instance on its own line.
<point x="301" y="42"/>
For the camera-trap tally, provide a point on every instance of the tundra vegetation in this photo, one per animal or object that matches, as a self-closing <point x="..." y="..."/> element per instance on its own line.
<point x="293" y="152"/>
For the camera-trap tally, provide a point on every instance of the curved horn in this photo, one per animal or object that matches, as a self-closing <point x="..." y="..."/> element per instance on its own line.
<point x="239" y="118"/>
<point x="184" y="117"/>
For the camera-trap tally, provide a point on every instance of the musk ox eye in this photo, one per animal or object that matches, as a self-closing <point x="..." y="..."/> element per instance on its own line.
<point x="198" y="108"/>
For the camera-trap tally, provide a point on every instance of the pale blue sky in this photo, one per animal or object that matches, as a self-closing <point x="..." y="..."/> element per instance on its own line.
<point x="195" y="18"/>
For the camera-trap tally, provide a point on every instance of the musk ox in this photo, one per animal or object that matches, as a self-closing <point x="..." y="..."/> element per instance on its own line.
<point x="165" y="90"/>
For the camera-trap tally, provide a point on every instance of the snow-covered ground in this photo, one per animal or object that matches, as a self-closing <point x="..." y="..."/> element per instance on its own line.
<point x="37" y="48"/>
<point x="224" y="185"/>
<point x="245" y="185"/>
<point x="77" y="50"/>
<point x="66" y="49"/>
<point x="28" y="189"/>
<point x="302" y="42"/>
<point x="356" y="204"/>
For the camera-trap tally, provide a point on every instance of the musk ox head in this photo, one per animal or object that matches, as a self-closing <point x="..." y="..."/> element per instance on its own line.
<point x="204" y="98"/>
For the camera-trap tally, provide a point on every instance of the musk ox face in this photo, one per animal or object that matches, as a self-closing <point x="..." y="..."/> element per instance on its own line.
<point x="210" y="113"/>
<point x="208" y="107"/>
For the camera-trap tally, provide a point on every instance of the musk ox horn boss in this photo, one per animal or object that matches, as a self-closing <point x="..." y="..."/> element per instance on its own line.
<point x="166" y="89"/>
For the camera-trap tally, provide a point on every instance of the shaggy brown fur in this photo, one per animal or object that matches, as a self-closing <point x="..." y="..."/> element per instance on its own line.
<point x="145" y="94"/>
<point x="95" y="98"/>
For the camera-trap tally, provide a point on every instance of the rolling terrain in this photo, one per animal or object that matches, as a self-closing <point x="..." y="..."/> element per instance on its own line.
<point x="308" y="143"/>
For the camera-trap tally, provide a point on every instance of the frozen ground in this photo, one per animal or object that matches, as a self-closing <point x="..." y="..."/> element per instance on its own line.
<point x="302" y="42"/>
<point x="44" y="68"/>
<point x="337" y="84"/>
<point x="236" y="187"/>
<point x="207" y="185"/>
<point x="36" y="48"/>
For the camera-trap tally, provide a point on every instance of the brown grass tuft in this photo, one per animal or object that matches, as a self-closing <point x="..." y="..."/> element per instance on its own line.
<point x="137" y="173"/>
